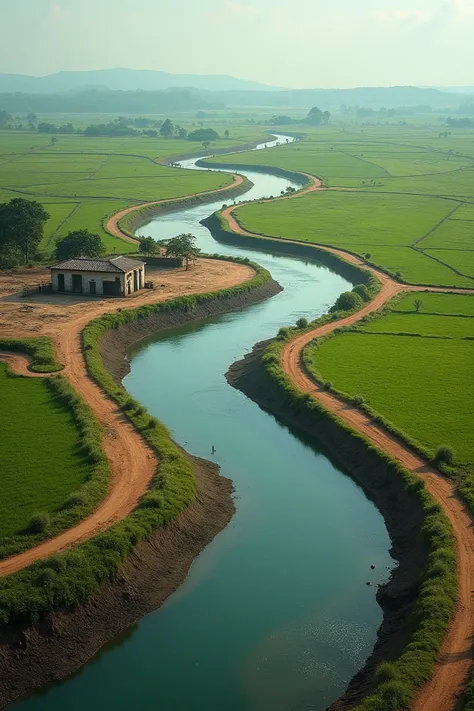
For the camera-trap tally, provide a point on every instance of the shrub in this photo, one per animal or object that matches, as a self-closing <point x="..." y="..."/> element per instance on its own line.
<point x="444" y="455"/>
<point x="39" y="523"/>
<point x="358" y="400"/>
<point x="363" y="292"/>
<point x="328" y="385"/>
<point x="386" y="672"/>
<point x="302" y="323"/>
<point x="347" y="301"/>
<point x="284" y="333"/>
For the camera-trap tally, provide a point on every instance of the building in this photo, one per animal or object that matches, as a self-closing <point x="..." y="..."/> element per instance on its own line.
<point x="117" y="276"/>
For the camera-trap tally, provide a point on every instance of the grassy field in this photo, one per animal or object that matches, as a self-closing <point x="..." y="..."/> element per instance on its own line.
<point x="80" y="180"/>
<point x="423" y="385"/>
<point x="40" y="462"/>
<point x="410" y="204"/>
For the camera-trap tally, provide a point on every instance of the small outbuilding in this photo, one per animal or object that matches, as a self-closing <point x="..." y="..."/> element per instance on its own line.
<point x="115" y="276"/>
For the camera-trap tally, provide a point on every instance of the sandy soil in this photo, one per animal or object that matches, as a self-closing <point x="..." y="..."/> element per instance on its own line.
<point x="132" y="463"/>
<point x="443" y="691"/>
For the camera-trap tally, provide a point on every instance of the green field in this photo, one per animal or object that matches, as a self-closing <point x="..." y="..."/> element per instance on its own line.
<point x="422" y="385"/>
<point x="403" y="194"/>
<point x="82" y="180"/>
<point x="40" y="462"/>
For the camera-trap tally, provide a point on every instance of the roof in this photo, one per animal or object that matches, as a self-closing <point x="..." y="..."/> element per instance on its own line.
<point x="114" y="264"/>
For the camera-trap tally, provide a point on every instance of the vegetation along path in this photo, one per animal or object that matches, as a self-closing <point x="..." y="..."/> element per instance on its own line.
<point x="132" y="462"/>
<point x="449" y="680"/>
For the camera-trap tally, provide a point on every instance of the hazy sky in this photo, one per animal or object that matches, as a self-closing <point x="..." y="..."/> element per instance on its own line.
<point x="298" y="43"/>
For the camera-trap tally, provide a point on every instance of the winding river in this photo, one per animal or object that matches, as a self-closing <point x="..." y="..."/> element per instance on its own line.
<point x="275" y="614"/>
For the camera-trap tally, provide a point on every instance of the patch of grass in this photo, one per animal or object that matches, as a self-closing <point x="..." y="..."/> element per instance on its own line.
<point x="53" y="469"/>
<point x="459" y="304"/>
<point x="423" y="324"/>
<point x="39" y="349"/>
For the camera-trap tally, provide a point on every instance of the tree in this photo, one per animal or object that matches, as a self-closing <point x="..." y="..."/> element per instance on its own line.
<point x="32" y="119"/>
<point x="182" y="132"/>
<point x="167" y="129"/>
<point x="21" y="227"/>
<point x="54" y="140"/>
<point x="315" y="117"/>
<point x="203" y="134"/>
<point x="417" y="304"/>
<point x="326" y="116"/>
<point x="79" y="243"/>
<point x="226" y="134"/>
<point x="5" y="119"/>
<point x="148" y="245"/>
<point x="182" y="247"/>
<point x="347" y="301"/>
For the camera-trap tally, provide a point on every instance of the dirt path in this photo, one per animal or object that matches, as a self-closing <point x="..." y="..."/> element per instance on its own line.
<point x="452" y="670"/>
<point x="133" y="464"/>
<point x="113" y="226"/>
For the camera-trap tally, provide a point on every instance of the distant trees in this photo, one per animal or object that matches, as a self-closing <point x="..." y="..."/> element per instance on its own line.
<point x="46" y="127"/>
<point x="460" y="122"/>
<point x="203" y="134"/>
<point x="21" y="230"/>
<point x="79" y="243"/>
<point x="167" y="129"/>
<point x="182" y="247"/>
<point x="316" y="117"/>
<point x="5" y="119"/>
<point x="282" y="120"/>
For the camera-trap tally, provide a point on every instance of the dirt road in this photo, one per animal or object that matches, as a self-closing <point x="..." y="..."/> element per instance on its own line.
<point x="113" y="226"/>
<point x="451" y="673"/>
<point x="133" y="464"/>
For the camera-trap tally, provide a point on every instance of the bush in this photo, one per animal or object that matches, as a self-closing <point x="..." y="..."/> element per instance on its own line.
<point x="284" y="333"/>
<point x="328" y="385"/>
<point x="444" y="455"/>
<point x="302" y="323"/>
<point x="358" y="400"/>
<point x="363" y="292"/>
<point x="347" y="301"/>
<point x="39" y="523"/>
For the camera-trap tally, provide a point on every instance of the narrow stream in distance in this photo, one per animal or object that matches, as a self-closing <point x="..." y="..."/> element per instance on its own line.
<point x="275" y="614"/>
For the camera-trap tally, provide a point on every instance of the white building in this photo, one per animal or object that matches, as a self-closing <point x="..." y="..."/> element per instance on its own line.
<point x="117" y="276"/>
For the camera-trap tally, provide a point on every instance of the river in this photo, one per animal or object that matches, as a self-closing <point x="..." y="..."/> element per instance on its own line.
<point x="275" y="614"/>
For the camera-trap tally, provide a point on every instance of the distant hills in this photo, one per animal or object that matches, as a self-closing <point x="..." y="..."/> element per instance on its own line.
<point x="143" y="91"/>
<point x="123" y="80"/>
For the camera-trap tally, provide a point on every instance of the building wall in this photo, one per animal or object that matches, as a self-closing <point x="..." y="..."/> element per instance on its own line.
<point x="87" y="277"/>
<point x="99" y="277"/>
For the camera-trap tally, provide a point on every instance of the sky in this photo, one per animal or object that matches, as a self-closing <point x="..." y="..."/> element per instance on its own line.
<point x="291" y="43"/>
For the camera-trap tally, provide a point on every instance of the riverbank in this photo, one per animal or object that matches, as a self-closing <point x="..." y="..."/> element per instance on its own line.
<point x="34" y="655"/>
<point x="401" y="511"/>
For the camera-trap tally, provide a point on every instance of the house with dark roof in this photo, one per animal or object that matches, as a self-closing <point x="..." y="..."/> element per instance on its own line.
<point x="114" y="276"/>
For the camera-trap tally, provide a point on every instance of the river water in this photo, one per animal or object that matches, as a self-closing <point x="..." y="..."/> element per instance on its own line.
<point x="275" y="614"/>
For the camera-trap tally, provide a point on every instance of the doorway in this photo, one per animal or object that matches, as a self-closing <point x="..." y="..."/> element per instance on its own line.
<point x="61" y="282"/>
<point x="92" y="288"/>
<point x="77" y="283"/>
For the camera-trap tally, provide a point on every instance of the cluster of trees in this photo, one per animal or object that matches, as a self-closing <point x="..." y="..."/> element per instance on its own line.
<point x="460" y="122"/>
<point x="45" y="127"/>
<point x="369" y="112"/>
<point x="315" y="117"/>
<point x="21" y="230"/>
<point x="79" y="243"/>
<point x="181" y="247"/>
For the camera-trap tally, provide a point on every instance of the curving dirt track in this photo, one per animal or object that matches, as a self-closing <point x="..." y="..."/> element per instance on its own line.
<point x="133" y="464"/>
<point x="113" y="226"/>
<point x="442" y="693"/>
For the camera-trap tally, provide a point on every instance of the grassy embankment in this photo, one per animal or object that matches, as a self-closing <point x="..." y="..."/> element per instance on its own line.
<point x="71" y="577"/>
<point x="54" y="471"/>
<point x="396" y="682"/>
<point x="414" y="369"/>
<point x="410" y="205"/>
<point x="82" y="181"/>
